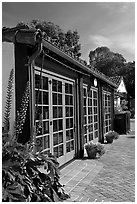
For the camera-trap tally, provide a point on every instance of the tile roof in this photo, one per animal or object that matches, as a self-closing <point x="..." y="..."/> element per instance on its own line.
<point x="116" y="79"/>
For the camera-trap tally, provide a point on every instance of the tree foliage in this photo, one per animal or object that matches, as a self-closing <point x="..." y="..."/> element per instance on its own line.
<point x="114" y="64"/>
<point x="106" y="61"/>
<point x="68" y="40"/>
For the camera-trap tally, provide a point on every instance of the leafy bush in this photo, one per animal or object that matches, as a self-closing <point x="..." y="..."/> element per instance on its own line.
<point x="98" y="147"/>
<point x="112" y="134"/>
<point x="28" y="177"/>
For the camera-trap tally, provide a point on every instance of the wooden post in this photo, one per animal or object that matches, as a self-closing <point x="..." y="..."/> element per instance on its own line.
<point x="81" y="116"/>
<point x="101" y="118"/>
<point x="112" y="110"/>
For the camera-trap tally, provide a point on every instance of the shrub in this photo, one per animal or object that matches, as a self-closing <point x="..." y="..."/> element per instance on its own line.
<point x="30" y="178"/>
<point x="94" y="148"/>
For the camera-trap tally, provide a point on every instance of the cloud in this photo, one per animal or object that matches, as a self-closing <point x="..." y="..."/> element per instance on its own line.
<point x="100" y="40"/>
<point x="117" y="6"/>
<point x="121" y="43"/>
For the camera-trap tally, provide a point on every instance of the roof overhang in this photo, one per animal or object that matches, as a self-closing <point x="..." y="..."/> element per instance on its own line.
<point x="29" y="36"/>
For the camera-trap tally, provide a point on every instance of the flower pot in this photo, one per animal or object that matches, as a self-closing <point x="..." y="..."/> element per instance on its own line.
<point x="92" y="153"/>
<point x="109" y="139"/>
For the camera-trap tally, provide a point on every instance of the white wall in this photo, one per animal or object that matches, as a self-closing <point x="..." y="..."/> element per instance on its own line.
<point x="8" y="63"/>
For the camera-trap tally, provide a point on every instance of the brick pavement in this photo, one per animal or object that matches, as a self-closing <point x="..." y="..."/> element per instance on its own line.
<point x="108" y="178"/>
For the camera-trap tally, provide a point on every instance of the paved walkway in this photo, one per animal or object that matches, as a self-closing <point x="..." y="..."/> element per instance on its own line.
<point x="108" y="178"/>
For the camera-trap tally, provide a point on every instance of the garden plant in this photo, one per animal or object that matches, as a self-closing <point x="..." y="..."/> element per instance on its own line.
<point x="27" y="176"/>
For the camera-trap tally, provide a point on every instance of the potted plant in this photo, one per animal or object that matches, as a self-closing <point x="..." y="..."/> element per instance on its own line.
<point x="111" y="135"/>
<point x="93" y="149"/>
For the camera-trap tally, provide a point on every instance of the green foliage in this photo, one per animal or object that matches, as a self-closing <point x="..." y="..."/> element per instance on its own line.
<point x="106" y="61"/>
<point x="114" y="64"/>
<point x="128" y="73"/>
<point x="69" y="41"/>
<point x="8" y="100"/>
<point x="112" y="134"/>
<point x="30" y="178"/>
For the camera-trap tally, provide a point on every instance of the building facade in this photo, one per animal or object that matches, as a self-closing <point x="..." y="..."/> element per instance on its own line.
<point x="70" y="102"/>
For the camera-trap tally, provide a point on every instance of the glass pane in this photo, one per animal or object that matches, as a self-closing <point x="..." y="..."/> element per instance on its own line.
<point x="70" y="88"/>
<point x="60" y="137"/>
<point x="90" y="136"/>
<point x="89" y="110"/>
<point x="46" y="142"/>
<point x="37" y="81"/>
<point x="45" y="98"/>
<point x="56" y="152"/>
<point x="67" y="123"/>
<point x="60" y="150"/>
<point x="45" y="127"/>
<point x="38" y="112"/>
<point x="84" y="92"/>
<point x="45" y="83"/>
<point x="71" y="122"/>
<point x="60" y="112"/>
<point x="96" y="134"/>
<point x="95" y="126"/>
<point x="85" y="120"/>
<point x="66" y="100"/>
<point x="68" y="147"/>
<point x="66" y="88"/>
<point x="95" y="110"/>
<point x="59" y="99"/>
<point x="85" y="139"/>
<point x="54" y="85"/>
<point x="71" y="145"/>
<point x="95" y="102"/>
<point x="54" y="98"/>
<point x="95" y="118"/>
<point x="45" y="112"/>
<point x="85" y="129"/>
<point x="91" y="128"/>
<point x="94" y="94"/>
<point x="54" y="112"/>
<point x="67" y="111"/>
<point x="85" y="111"/>
<point x="55" y="126"/>
<point x="71" y="134"/>
<point x="38" y="96"/>
<point x="59" y="86"/>
<point x="61" y="124"/>
<point x="84" y="101"/>
<point x="55" y="139"/>
<point x="71" y="100"/>
<point x="67" y="135"/>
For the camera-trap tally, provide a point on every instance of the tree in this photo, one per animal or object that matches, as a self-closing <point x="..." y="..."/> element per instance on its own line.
<point x="114" y="64"/>
<point x="106" y="61"/>
<point x="68" y="41"/>
<point x="128" y="72"/>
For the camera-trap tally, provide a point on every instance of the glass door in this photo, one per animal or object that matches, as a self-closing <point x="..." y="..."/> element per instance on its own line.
<point x="107" y="111"/>
<point x="90" y="114"/>
<point x="55" y="116"/>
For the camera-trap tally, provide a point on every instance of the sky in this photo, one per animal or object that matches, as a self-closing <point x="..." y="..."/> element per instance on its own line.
<point x="110" y="24"/>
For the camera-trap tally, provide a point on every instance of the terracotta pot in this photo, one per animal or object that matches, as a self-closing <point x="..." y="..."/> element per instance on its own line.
<point x="109" y="139"/>
<point x="92" y="153"/>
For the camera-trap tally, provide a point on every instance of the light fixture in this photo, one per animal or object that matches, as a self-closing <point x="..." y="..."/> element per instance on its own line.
<point x="95" y="82"/>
